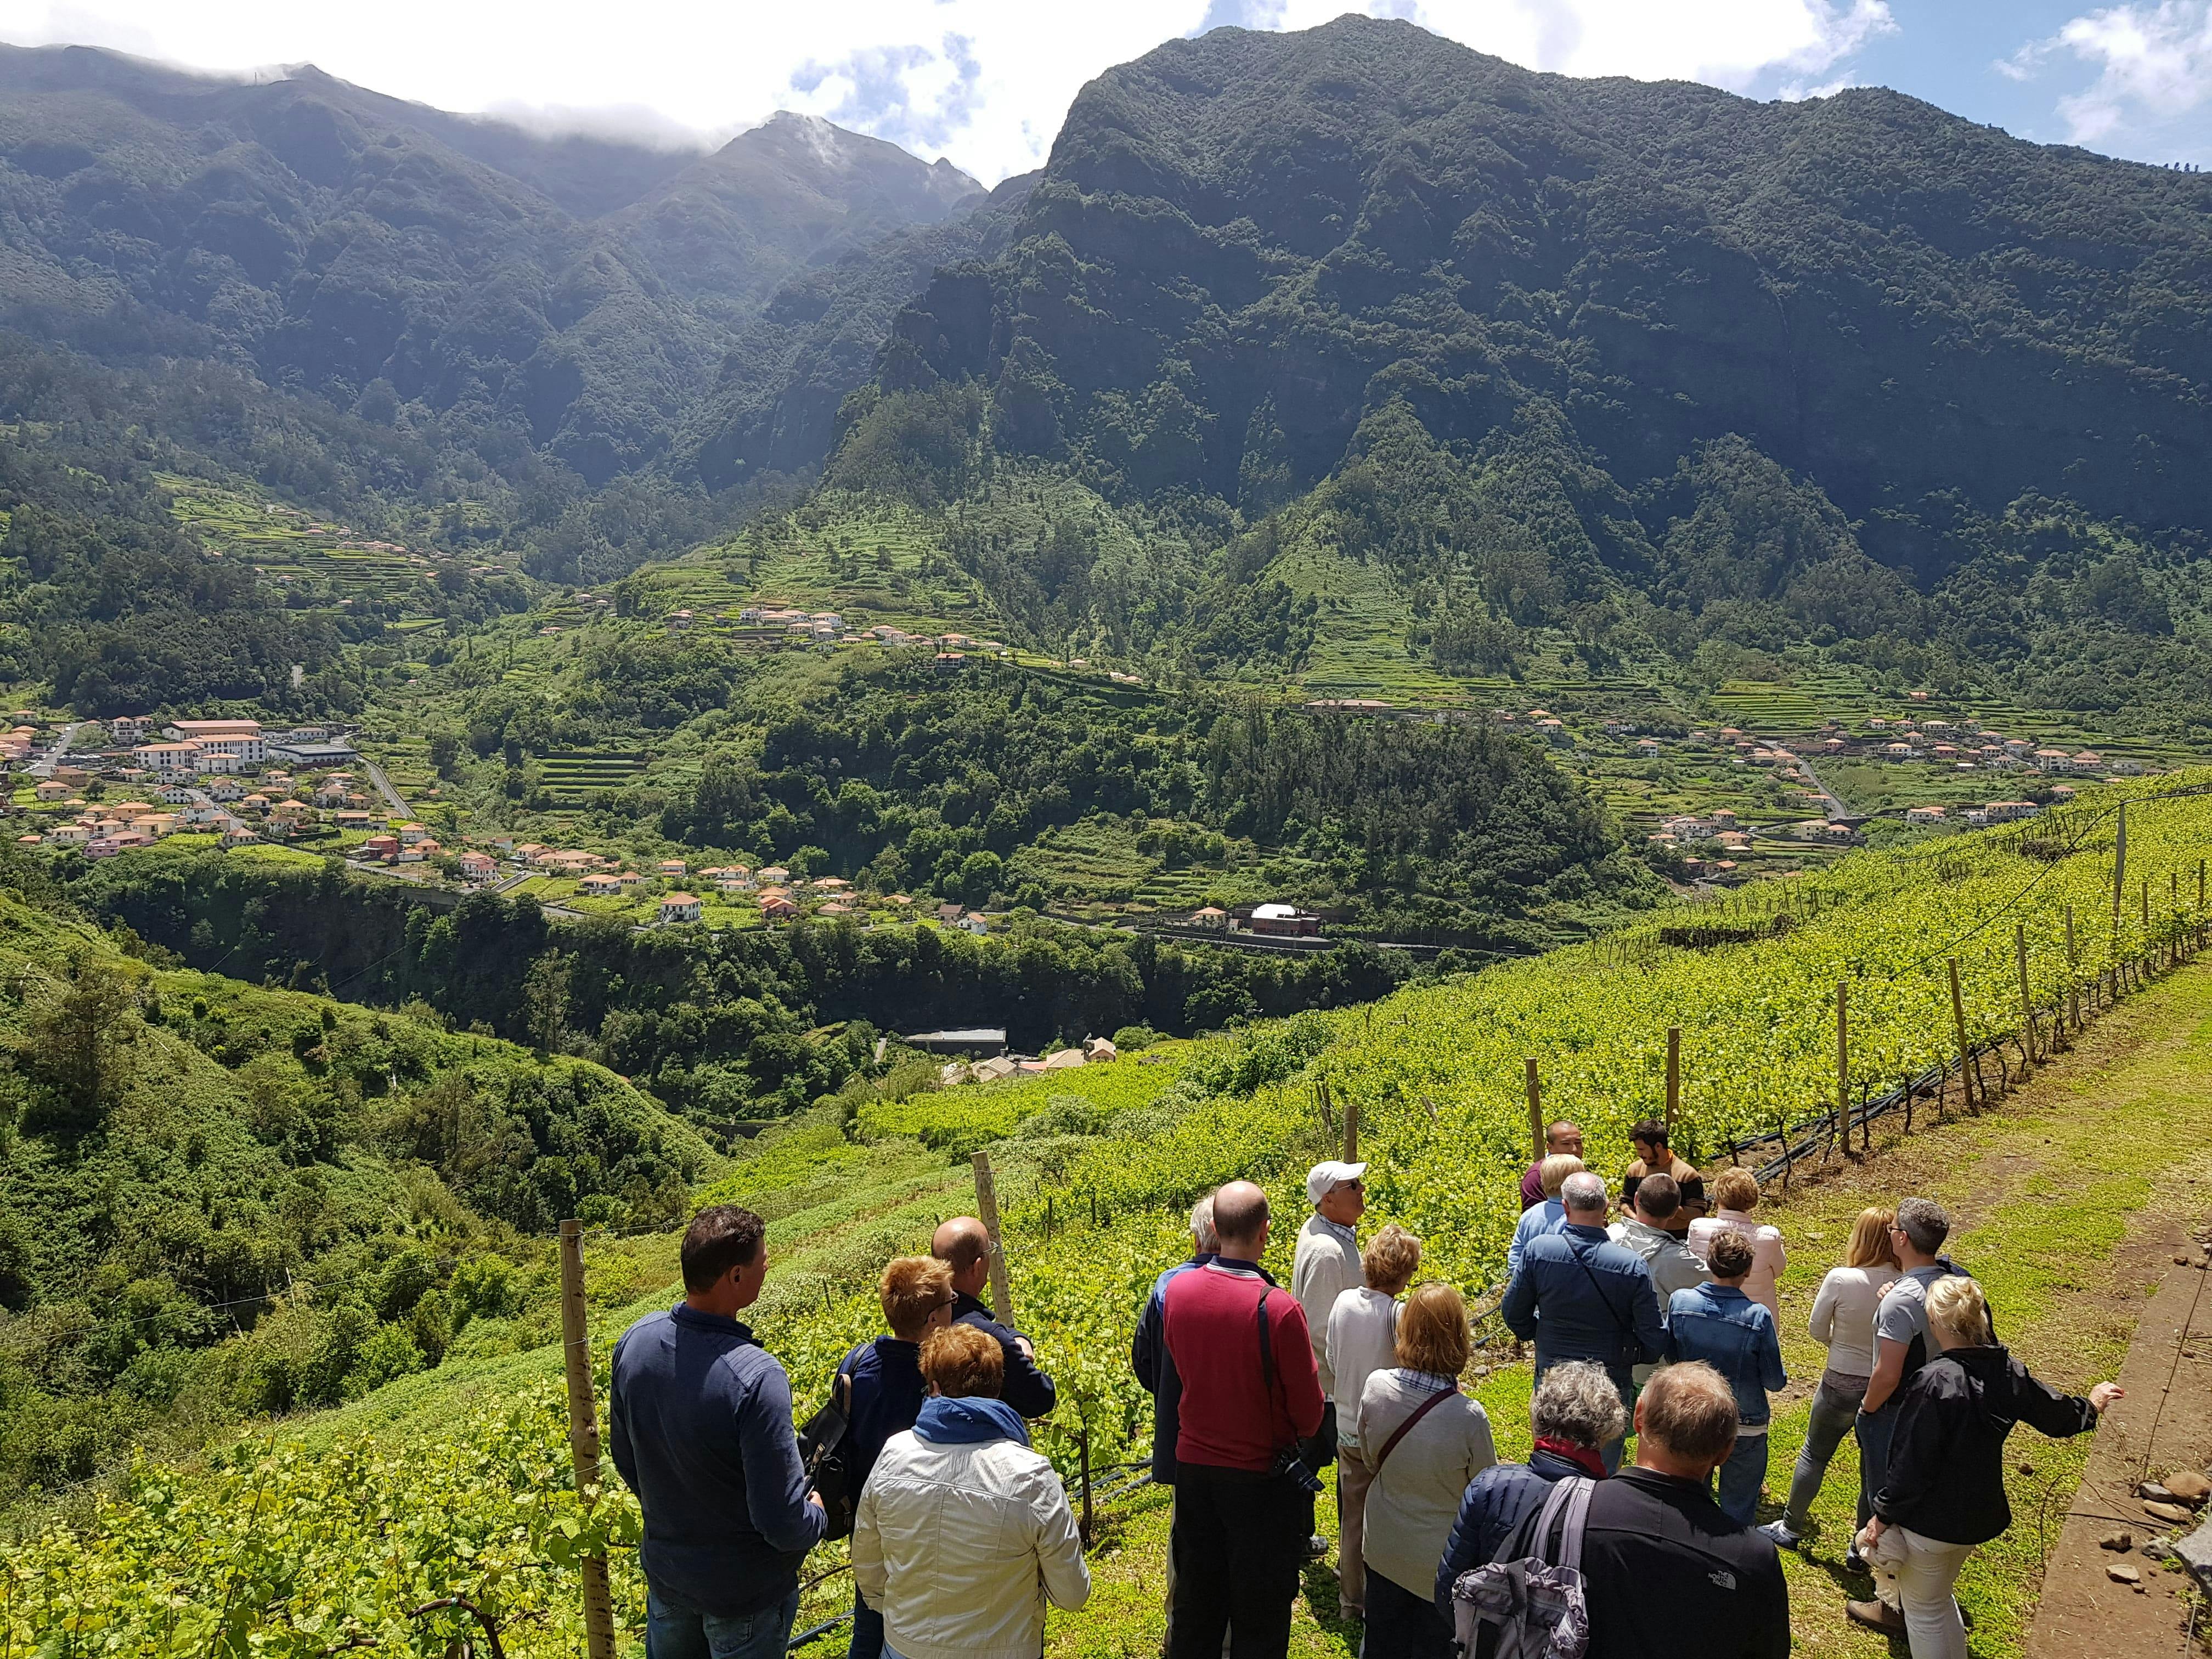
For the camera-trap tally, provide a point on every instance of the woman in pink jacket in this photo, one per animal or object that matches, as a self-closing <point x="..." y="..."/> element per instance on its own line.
<point x="1735" y="1195"/>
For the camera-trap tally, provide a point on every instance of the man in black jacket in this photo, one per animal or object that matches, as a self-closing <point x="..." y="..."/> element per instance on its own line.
<point x="1666" y="1572"/>
<point x="963" y="1245"/>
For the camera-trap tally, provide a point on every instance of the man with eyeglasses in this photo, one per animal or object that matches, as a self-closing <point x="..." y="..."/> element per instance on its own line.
<point x="1902" y="1346"/>
<point x="1326" y="1265"/>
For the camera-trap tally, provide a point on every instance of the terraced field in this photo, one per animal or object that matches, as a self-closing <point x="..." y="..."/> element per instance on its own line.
<point x="286" y="546"/>
<point x="573" y="775"/>
<point x="1098" y="864"/>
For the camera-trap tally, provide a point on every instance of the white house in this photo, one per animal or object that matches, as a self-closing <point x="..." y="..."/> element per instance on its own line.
<point x="679" y="907"/>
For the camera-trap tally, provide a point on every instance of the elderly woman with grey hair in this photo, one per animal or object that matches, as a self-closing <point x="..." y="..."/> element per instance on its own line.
<point x="1576" y="1411"/>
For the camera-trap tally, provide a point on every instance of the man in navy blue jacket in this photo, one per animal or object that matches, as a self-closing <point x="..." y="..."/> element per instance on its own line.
<point x="1155" y="1368"/>
<point x="889" y="1392"/>
<point x="699" y="1424"/>
<point x="963" y="1245"/>
<point x="1584" y="1296"/>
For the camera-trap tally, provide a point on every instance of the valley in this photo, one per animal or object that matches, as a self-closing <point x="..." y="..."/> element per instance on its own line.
<point x="542" y="674"/>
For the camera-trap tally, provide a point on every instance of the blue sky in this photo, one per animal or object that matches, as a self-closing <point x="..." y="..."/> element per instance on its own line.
<point x="986" y="82"/>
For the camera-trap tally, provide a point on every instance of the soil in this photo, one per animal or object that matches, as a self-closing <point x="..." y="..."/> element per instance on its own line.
<point x="2164" y="1425"/>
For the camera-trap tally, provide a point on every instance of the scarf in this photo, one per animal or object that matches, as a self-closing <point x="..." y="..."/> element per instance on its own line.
<point x="1584" y="1458"/>
<point x="966" y="1422"/>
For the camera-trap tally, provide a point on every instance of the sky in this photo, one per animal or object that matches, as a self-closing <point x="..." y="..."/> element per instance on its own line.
<point x="986" y="82"/>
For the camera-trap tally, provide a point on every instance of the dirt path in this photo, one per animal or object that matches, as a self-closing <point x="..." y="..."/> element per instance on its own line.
<point x="2164" y="1425"/>
<point x="2067" y="1198"/>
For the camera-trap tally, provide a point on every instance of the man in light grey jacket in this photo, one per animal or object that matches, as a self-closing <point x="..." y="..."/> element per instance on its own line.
<point x="1327" y="1264"/>
<point x="1645" y="1230"/>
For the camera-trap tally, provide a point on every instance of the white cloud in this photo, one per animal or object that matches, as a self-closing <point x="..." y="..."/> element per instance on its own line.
<point x="985" y="81"/>
<point x="2152" y="63"/>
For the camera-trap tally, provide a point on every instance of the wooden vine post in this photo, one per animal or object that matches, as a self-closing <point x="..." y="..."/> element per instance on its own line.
<point x="2027" y="1005"/>
<point x="584" y="1435"/>
<point x="1673" y="1078"/>
<point x="2073" y="968"/>
<point x="1352" y="1128"/>
<point x="987" y="1211"/>
<point x="1959" y="1020"/>
<point x="1535" y="1110"/>
<point x="2119" y="866"/>
<point x="1843" y="1063"/>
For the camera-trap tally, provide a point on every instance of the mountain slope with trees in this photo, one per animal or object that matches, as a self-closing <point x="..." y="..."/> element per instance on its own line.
<point x="572" y="294"/>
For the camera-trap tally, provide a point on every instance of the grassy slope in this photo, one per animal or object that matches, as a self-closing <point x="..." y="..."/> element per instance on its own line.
<point x="2046" y="1197"/>
<point x="1245" y="1105"/>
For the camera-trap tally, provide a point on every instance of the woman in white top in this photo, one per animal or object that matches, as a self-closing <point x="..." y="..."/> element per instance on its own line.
<point x="1843" y="1322"/>
<point x="1422" y="1441"/>
<point x="963" y="1533"/>
<point x="1735" y="1195"/>
<point x="1362" y="1339"/>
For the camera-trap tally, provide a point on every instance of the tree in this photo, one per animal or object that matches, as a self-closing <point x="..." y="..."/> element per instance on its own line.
<point x="80" y="1046"/>
<point x="545" y="1000"/>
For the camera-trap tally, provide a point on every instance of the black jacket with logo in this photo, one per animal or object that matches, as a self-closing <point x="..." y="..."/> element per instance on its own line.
<point x="1668" y="1574"/>
<point x="1946" y="1477"/>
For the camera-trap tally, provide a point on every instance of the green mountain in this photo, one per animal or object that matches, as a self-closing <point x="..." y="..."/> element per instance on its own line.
<point x="1506" y="373"/>
<point x="574" y="294"/>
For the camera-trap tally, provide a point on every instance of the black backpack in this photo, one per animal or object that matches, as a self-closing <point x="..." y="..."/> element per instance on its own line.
<point x="825" y="1447"/>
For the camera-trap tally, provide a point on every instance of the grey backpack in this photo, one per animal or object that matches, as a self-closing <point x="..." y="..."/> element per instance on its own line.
<point x="1537" y="1610"/>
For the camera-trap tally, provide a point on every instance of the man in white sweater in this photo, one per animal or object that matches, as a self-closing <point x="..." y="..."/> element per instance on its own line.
<point x="963" y="1534"/>
<point x="1327" y="1264"/>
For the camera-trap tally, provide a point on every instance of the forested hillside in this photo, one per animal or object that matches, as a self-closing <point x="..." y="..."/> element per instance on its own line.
<point x="220" y="1201"/>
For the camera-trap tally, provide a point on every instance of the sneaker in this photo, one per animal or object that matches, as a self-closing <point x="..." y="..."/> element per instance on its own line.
<point x="1316" y="1547"/>
<point x="1779" y="1533"/>
<point x="1854" y="1562"/>
<point x="1876" y="1615"/>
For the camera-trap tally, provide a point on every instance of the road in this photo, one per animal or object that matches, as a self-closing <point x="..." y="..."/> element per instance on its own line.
<point x="1836" y="809"/>
<point x="392" y="797"/>
<point x="44" y="767"/>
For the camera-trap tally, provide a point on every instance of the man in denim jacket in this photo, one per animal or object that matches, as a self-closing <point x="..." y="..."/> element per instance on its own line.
<point x="1717" y="1322"/>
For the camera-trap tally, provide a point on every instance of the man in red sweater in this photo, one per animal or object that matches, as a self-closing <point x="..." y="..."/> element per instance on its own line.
<point x="1240" y="1531"/>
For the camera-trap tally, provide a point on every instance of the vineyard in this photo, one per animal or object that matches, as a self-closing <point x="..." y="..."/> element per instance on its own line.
<point x="297" y="1542"/>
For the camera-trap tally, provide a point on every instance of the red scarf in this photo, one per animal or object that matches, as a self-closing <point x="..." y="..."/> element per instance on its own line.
<point x="1582" y="1457"/>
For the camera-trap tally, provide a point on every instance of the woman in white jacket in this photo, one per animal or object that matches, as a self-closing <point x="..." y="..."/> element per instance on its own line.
<point x="1843" y="1322"/>
<point x="963" y="1533"/>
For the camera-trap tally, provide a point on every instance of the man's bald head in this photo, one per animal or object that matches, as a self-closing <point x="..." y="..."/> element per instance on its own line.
<point x="963" y="1245"/>
<point x="1240" y="1217"/>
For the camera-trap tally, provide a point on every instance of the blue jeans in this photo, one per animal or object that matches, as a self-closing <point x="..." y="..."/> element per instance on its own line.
<point x="1875" y="1430"/>
<point x="675" y="1630"/>
<point x="1833" y="1410"/>
<point x="867" y="1631"/>
<point x="1742" y="1477"/>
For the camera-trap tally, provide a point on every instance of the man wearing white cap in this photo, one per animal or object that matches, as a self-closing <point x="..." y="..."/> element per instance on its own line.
<point x="1326" y="1265"/>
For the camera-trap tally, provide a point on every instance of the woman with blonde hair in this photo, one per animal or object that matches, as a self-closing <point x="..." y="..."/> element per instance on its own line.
<point x="1422" y="1441"/>
<point x="1735" y="1195"/>
<point x="1944" y="1492"/>
<point x="1362" y="1339"/>
<point x="1843" y="1322"/>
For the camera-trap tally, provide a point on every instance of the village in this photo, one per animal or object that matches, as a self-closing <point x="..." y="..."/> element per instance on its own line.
<point x="104" y="789"/>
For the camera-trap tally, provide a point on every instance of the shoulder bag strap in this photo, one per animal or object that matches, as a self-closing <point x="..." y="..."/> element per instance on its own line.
<point x="1582" y="1261"/>
<point x="1267" y="1374"/>
<point x="1406" y="1427"/>
<point x="1578" y="1503"/>
<point x="1555" y="1502"/>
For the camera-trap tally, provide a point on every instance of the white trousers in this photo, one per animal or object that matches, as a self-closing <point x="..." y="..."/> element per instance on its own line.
<point x="1914" y="1574"/>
